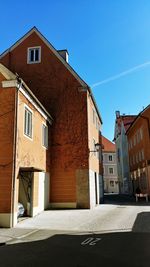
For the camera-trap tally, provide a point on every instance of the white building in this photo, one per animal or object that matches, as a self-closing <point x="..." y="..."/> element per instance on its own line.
<point x="122" y="124"/>
<point x="109" y="167"/>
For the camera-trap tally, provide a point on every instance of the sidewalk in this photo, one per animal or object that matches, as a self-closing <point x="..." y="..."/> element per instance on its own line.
<point x="102" y="219"/>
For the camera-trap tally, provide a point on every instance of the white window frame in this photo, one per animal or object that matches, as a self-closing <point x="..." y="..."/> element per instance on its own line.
<point x="30" y="134"/>
<point x="112" y="170"/>
<point x="111" y="182"/>
<point x="28" y="55"/>
<point x="109" y="158"/>
<point x="44" y="135"/>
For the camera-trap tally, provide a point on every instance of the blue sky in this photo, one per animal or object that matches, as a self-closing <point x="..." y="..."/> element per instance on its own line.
<point x="104" y="38"/>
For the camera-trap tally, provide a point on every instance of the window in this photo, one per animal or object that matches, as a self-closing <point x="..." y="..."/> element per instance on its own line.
<point x="94" y="149"/>
<point x="111" y="170"/>
<point x="137" y="158"/>
<point x="142" y="154"/>
<point x="134" y="140"/>
<point x="141" y="133"/>
<point x="34" y="55"/>
<point x="44" y="135"/>
<point x="93" y="116"/>
<point x="112" y="183"/>
<point x="138" y="136"/>
<point x="28" y="123"/>
<point x="110" y="157"/>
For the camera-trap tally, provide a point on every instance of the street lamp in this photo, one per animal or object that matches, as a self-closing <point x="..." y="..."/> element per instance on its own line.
<point x="97" y="147"/>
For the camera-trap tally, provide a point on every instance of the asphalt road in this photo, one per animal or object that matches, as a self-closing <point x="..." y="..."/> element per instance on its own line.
<point x="126" y="249"/>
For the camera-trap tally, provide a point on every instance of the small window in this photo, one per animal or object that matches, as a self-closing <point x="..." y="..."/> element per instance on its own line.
<point x="28" y="123"/>
<point x="34" y="55"/>
<point x="94" y="116"/>
<point x="111" y="170"/>
<point x="142" y="154"/>
<point x="141" y="133"/>
<point x="44" y="135"/>
<point x="94" y="148"/>
<point x="112" y="183"/>
<point x="110" y="158"/>
<point x="134" y="140"/>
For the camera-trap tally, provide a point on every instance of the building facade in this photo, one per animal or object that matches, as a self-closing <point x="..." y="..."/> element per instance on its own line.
<point x="122" y="123"/>
<point x="139" y="151"/>
<point x="109" y="167"/>
<point x="24" y="173"/>
<point x="74" y="179"/>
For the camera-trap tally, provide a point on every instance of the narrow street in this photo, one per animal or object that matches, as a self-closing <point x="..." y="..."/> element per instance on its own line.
<point x="81" y="238"/>
<point x="117" y="214"/>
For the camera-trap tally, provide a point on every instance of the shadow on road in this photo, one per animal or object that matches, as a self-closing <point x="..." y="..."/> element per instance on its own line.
<point x="120" y="249"/>
<point x="115" y="249"/>
<point x="116" y="199"/>
<point x="142" y="223"/>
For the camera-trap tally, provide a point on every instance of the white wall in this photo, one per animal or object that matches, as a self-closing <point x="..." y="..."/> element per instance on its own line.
<point x="93" y="188"/>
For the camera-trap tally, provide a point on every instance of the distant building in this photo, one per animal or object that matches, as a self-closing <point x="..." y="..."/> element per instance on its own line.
<point x="122" y="124"/>
<point x="139" y="151"/>
<point x="109" y="167"/>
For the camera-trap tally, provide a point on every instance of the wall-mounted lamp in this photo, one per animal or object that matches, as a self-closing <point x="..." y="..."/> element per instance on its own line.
<point x="97" y="147"/>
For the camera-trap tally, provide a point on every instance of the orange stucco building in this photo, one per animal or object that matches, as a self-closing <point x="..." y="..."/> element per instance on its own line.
<point x="139" y="153"/>
<point x="24" y="165"/>
<point x="75" y="178"/>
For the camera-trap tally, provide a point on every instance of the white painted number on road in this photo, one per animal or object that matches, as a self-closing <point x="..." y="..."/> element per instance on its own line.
<point x="90" y="241"/>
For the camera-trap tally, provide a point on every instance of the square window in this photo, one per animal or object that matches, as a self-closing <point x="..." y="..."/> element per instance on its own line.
<point x="34" y="55"/>
<point x="44" y="135"/>
<point x="28" y="123"/>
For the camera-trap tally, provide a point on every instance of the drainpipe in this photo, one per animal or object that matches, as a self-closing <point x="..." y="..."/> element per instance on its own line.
<point x="14" y="159"/>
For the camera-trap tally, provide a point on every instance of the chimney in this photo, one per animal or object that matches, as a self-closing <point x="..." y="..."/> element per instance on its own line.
<point x="64" y="54"/>
<point x="117" y="114"/>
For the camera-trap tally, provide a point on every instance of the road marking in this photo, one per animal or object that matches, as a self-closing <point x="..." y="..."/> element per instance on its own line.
<point x="91" y="241"/>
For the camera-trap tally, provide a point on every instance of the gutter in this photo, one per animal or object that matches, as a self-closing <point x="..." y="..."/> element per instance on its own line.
<point x="14" y="160"/>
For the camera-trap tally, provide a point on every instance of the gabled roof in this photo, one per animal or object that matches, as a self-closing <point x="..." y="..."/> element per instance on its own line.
<point x="108" y="146"/>
<point x="50" y="46"/>
<point x="137" y="117"/>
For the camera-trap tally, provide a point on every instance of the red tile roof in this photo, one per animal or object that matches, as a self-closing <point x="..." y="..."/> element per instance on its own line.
<point x="108" y="145"/>
<point x="126" y="119"/>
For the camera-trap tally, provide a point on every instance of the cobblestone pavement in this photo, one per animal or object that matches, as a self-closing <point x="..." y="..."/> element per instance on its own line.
<point x="121" y="216"/>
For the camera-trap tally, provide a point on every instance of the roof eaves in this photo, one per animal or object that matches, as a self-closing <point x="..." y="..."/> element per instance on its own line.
<point x="136" y="118"/>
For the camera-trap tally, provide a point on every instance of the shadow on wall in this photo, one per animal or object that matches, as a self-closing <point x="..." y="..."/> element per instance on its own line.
<point x="142" y="223"/>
